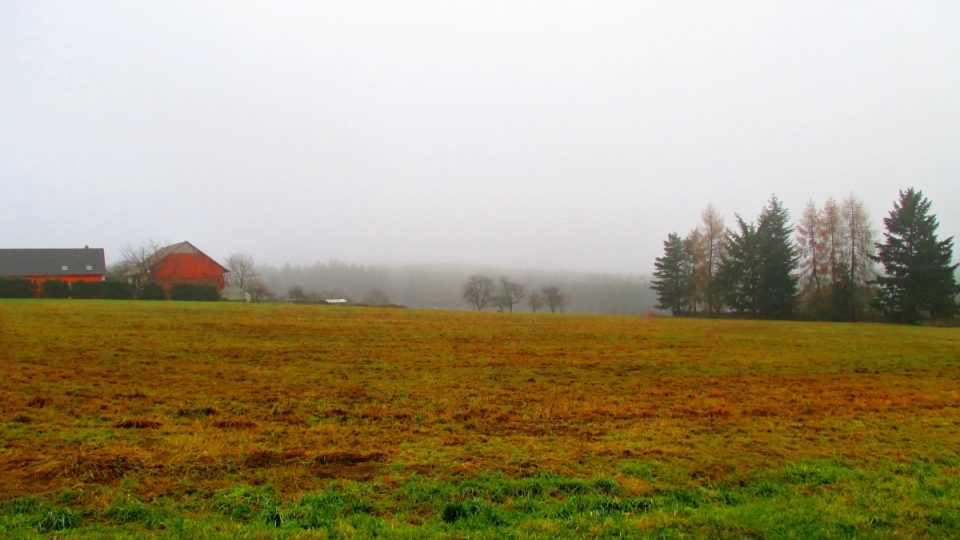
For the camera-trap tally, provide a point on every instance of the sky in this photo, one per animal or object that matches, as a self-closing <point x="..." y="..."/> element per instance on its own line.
<point x="551" y="134"/>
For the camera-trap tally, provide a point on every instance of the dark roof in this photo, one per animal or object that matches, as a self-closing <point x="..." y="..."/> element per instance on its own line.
<point x="51" y="262"/>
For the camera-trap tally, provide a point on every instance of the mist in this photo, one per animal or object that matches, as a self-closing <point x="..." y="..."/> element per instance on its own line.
<point x="440" y="286"/>
<point x="570" y="136"/>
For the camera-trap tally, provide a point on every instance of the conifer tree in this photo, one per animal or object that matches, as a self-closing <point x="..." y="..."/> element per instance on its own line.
<point x="738" y="278"/>
<point x="777" y="283"/>
<point x="673" y="277"/>
<point x="919" y="280"/>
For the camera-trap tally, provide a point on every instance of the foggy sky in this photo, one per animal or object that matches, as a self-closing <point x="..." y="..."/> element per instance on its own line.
<point x="572" y="135"/>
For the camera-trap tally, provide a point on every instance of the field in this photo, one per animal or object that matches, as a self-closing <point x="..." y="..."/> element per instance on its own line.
<point x="176" y="420"/>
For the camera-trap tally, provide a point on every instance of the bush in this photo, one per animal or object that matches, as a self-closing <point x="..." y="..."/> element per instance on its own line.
<point x="54" y="288"/>
<point x="86" y="289"/>
<point x="152" y="291"/>
<point x="17" y="288"/>
<point x="194" y="291"/>
<point x="117" y="290"/>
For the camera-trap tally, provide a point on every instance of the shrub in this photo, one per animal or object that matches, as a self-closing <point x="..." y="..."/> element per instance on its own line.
<point x="152" y="291"/>
<point x="54" y="288"/>
<point x="86" y="289"/>
<point x="117" y="290"/>
<point x="194" y="291"/>
<point x="16" y="288"/>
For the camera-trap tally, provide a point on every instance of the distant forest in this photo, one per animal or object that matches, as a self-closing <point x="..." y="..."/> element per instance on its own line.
<point x="441" y="286"/>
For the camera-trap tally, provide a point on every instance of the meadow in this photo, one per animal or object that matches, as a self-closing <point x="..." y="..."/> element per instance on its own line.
<point x="177" y="419"/>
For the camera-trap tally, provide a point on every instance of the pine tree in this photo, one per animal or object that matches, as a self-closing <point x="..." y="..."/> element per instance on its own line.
<point x="673" y="277"/>
<point x="777" y="284"/>
<point x="738" y="278"/>
<point x="919" y="280"/>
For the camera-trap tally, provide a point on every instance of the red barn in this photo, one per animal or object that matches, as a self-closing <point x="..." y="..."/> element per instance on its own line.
<point x="39" y="265"/>
<point x="183" y="263"/>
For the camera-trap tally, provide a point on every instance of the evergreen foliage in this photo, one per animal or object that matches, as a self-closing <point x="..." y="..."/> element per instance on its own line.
<point x="673" y="277"/>
<point x="777" y="283"/>
<point x="16" y="288"/>
<point x="919" y="280"/>
<point x="738" y="279"/>
<point x="194" y="291"/>
<point x="54" y="288"/>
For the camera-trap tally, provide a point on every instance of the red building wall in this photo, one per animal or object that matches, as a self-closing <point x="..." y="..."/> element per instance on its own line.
<point x="187" y="268"/>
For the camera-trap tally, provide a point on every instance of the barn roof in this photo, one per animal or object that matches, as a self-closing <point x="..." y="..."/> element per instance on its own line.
<point x="182" y="247"/>
<point x="52" y="262"/>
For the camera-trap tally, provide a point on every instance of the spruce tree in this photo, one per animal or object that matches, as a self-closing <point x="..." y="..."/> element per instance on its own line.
<point x="777" y="283"/>
<point x="738" y="277"/>
<point x="673" y="277"/>
<point x="919" y="280"/>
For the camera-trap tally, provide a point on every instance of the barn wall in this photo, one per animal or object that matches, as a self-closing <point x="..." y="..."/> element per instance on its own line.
<point x="187" y="268"/>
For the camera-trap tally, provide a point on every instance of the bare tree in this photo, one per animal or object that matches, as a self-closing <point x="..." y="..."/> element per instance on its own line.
<point x="831" y="223"/>
<point x="810" y="246"/>
<point x="511" y="293"/>
<point x="556" y="300"/>
<point x="376" y="297"/>
<point x="859" y="249"/>
<point x="243" y="271"/>
<point x="136" y="261"/>
<point x="712" y="232"/>
<point x="259" y="291"/>
<point x="535" y="301"/>
<point x="296" y="294"/>
<point x="859" y="241"/>
<point x="139" y="258"/>
<point x="477" y="291"/>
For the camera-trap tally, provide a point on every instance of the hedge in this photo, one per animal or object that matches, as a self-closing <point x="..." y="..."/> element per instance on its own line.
<point x="54" y="288"/>
<point x="194" y="291"/>
<point x="17" y="288"/>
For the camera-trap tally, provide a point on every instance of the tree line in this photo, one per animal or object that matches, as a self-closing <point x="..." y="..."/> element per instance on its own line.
<point x="480" y="291"/>
<point x="824" y="268"/>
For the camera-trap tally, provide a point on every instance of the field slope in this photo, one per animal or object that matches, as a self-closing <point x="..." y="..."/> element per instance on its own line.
<point x="195" y="420"/>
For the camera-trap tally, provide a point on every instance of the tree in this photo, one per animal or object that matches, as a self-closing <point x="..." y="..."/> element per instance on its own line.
<point x="810" y="249"/>
<point x="243" y="271"/>
<point x="535" y="301"/>
<point x="510" y="294"/>
<point x="738" y="278"/>
<point x="777" y="284"/>
<point x="137" y="260"/>
<point x="556" y="300"/>
<point x="673" y="277"/>
<point x="854" y="293"/>
<point x="296" y="294"/>
<point x="712" y="232"/>
<point x="477" y="291"/>
<point x="259" y="291"/>
<point x="918" y="278"/>
<point x="376" y="297"/>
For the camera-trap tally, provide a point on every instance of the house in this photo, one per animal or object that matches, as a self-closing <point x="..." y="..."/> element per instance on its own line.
<point x="39" y="265"/>
<point x="180" y="263"/>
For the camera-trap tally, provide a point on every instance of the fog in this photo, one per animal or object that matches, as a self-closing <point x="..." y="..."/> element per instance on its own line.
<point x="552" y="135"/>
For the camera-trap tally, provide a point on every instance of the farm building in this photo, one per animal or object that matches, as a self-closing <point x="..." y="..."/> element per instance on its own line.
<point x="180" y="263"/>
<point x="39" y="265"/>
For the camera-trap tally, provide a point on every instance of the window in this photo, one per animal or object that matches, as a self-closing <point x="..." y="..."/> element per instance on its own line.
<point x="64" y="268"/>
<point x="89" y="267"/>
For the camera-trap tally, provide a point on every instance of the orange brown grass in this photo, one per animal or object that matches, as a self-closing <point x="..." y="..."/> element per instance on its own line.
<point x="296" y="395"/>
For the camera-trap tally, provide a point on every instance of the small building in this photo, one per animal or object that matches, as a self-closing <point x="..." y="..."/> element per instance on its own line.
<point x="181" y="263"/>
<point x="67" y="265"/>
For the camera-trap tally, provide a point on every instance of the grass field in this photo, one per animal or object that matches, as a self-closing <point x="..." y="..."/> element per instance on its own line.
<point x="175" y="420"/>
